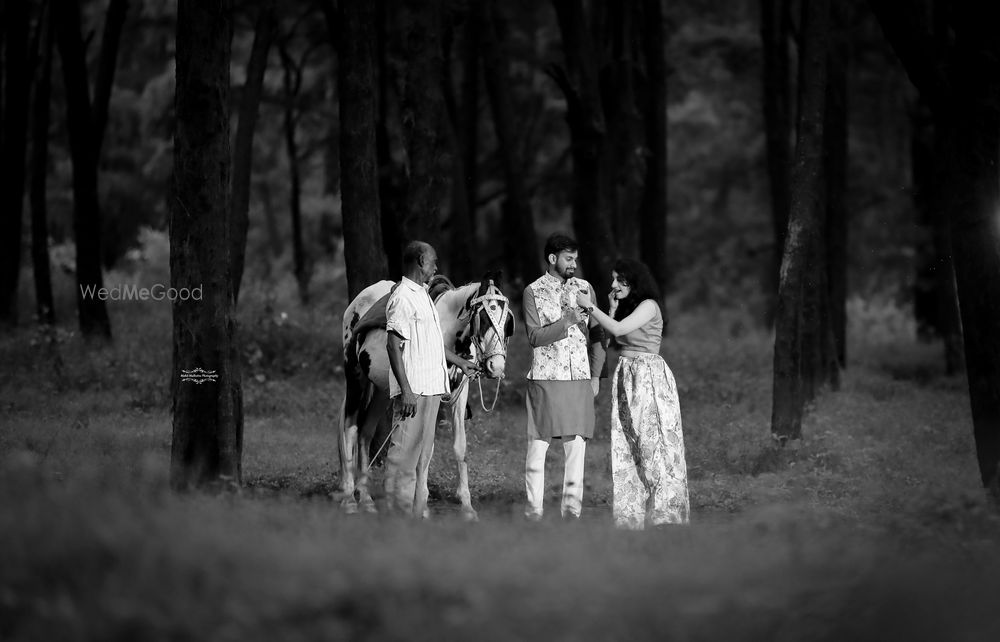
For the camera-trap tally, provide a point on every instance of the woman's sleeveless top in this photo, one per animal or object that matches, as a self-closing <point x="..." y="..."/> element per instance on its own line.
<point x="645" y="338"/>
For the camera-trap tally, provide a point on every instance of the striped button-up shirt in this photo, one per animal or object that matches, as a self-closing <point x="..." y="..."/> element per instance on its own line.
<point x="411" y="314"/>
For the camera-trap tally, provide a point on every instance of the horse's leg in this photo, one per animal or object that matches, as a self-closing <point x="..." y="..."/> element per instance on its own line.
<point x="347" y="447"/>
<point x="459" y="448"/>
<point x="379" y="404"/>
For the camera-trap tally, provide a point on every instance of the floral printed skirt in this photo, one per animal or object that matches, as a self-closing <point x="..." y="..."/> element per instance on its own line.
<point x="647" y="445"/>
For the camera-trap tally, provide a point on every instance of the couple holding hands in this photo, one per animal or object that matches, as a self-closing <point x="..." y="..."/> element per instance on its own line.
<point x="565" y="332"/>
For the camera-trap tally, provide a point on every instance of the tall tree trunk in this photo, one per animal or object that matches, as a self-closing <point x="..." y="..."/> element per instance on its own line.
<point x="365" y="261"/>
<point x="623" y="168"/>
<point x="292" y="83"/>
<point x="935" y="298"/>
<point x="801" y="333"/>
<point x="936" y="306"/>
<point x="93" y="314"/>
<point x="924" y="178"/>
<point x="653" y="212"/>
<point x="44" y="306"/>
<point x="424" y="122"/>
<point x="777" y="94"/>
<point x="961" y="85"/>
<point x="585" y="116"/>
<point x="517" y="205"/>
<point x="946" y="291"/>
<point x="469" y="126"/>
<point x="462" y="248"/>
<point x="835" y="134"/>
<point x="107" y="63"/>
<point x="270" y="220"/>
<point x="243" y="152"/>
<point x="464" y="116"/>
<point x="975" y="234"/>
<point x="390" y="174"/>
<point x="207" y="417"/>
<point x="3" y="59"/>
<point x="15" y="126"/>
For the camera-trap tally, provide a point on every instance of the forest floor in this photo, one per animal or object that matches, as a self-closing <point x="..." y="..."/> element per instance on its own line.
<point x="871" y="527"/>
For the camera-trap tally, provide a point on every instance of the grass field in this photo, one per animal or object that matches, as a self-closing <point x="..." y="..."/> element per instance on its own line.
<point x="872" y="527"/>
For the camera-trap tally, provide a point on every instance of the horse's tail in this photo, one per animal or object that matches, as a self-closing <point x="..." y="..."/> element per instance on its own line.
<point x="352" y="373"/>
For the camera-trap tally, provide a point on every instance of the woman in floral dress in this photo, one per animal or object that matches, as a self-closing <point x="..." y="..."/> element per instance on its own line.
<point x="647" y="443"/>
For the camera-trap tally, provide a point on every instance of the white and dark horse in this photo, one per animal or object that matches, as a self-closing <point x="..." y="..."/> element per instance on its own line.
<point x="476" y="321"/>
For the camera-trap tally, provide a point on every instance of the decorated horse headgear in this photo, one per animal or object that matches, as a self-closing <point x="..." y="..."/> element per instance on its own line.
<point x="501" y="318"/>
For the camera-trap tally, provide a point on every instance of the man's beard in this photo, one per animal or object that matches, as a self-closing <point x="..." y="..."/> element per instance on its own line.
<point x="566" y="273"/>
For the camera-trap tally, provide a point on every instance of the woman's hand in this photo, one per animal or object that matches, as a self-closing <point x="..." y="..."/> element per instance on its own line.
<point x="583" y="300"/>
<point x="612" y="300"/>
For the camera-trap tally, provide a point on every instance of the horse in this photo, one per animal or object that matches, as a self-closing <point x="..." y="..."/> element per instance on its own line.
<point x="476" y="321"/>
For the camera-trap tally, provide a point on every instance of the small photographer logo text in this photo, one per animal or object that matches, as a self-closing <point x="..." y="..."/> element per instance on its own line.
<point x="198" y="375"/>
<point x="127" y="292"/>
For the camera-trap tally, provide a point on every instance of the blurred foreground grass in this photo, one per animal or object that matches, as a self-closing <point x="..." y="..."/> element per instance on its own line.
<point x="872" y="527"/>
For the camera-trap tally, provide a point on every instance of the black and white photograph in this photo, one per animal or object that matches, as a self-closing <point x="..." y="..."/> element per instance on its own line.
<point x="499" y="320"/>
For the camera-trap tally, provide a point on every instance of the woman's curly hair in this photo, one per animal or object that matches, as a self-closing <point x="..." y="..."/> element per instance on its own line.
<point x="638" y="277"/>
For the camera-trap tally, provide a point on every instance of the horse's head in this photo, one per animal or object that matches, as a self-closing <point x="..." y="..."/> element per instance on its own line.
<point x="492" y="325"/>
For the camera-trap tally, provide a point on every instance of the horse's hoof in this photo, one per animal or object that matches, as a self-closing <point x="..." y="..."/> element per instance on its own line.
<point x="367" y="505"/>
<point x="469" y="514"/>
<point x="349" y="506"/>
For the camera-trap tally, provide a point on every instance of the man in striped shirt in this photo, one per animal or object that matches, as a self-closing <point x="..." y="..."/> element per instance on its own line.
<point x="417" y="359"/>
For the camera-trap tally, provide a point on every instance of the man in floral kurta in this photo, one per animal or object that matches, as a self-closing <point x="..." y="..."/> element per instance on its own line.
<point x="566" y="362"/>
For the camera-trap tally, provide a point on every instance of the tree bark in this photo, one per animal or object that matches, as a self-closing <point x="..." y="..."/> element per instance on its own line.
<point x="527" y="258"/>
<point x="464" y="117"/>
<point x="391" y="181"/>
<point x="93" y="314"/>
<point x="469" y="127"/>
<point x="803" y="334"/>
<point x="461" y="246"/>
<point x="207" y="417"/>
<point x="363" y="253"/>
<point x="44" y="307"/>
<point x="292" y="84"/>
<point x="424" y="122"/>
<point x="936" y="305"/>
<point x="961" y="84"/>
<point x="585" y="116"/>
<point x="946" y="292"/>
<point x="935" y="298"/>
<point x="975" y="233"/>
<point x="243" y="152"/>
<point x="774" y="33"/>
<point x="15" y="125"/>
<point x="107" y="63"/>
<point x="653" y="212"/>
<point x="835" y="147"/>
<point x="623" y="168"/>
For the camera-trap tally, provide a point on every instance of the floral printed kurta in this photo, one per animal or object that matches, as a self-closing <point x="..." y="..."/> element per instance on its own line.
<point x="560" y="400"/>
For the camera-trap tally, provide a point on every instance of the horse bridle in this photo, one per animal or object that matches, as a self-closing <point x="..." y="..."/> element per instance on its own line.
<point x="497" y="309"/>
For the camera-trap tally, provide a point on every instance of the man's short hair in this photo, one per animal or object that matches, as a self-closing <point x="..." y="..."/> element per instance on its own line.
<point x="559" y="243"/>
<point x="414" y="251"/>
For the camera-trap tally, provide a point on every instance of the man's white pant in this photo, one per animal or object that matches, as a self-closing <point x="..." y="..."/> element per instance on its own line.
<point x="574" y="451"/>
